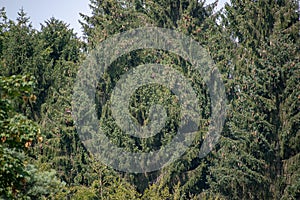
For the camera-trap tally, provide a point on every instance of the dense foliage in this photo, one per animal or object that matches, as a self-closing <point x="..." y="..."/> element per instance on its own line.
<point x="254" y="44"/>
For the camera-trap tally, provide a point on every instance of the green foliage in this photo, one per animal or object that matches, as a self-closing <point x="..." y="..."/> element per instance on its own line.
<point x="20" y="180"/>
<point x="16" y="132"/>
<point x="156" y="192"/>
<point x="177" y="15"/>
<point x="248" y="162"/>
<point x="17" y="45"/>
<point x="255" y="45"/>
<point x="42" y="184"/>
<point x="19" y="102"/>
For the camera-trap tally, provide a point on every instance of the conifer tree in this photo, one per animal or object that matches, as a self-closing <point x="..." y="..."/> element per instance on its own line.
<point x="248" y="163"/>
<point x="254" y="44"/>
<point x="17" y="48"/>
<point x="189" y="17"/>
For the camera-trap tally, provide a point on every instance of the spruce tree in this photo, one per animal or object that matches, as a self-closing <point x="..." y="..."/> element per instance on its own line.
<point x="188" y="17"/>
<point x="248" y="162"/>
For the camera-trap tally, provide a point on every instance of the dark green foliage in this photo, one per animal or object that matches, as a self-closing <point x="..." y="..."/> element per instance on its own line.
<point x="17" y="45"/>
<point x="249" y="163"/>
<point x="189" y="16"/>
<point x="255" y="45"/>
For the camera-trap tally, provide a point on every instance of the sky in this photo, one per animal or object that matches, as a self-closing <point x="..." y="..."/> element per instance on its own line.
<point x="65" y="10"/>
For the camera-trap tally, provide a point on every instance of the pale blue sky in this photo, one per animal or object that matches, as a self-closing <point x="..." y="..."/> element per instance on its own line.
<point x="66" y="10"/>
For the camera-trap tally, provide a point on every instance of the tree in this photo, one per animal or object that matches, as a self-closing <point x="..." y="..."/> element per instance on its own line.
<point x="56" y="60"/>
<point x="189" y="17"/>
<point x="255" y="45"/>
<point x="17" y="47"/>
<point x="248" y="162"/>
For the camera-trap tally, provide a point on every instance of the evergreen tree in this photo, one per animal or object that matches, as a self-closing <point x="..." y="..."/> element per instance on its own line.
<point x="248" y="164"/>
<point x="255" y="45"/>
<point x="17" y="47"/>
<point x="189" y="17"/>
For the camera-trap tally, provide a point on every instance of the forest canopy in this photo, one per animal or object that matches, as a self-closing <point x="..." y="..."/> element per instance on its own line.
<point x="253" y="43"/>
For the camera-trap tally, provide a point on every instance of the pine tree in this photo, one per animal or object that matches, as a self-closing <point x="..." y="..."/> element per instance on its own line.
<point x="247" y="163"/>
<point x="189" y="17"/>
<point x="255" y="45"/>
<point x="17" y="48"/>
<point x="57" y="55"/>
